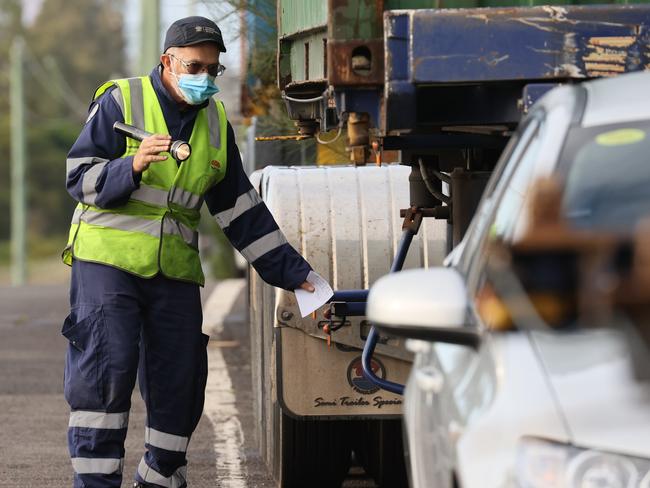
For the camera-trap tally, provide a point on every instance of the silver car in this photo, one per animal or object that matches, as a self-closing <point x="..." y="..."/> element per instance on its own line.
<point x="500" y="393"/>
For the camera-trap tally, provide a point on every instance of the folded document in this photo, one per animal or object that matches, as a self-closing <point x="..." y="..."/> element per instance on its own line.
<point x="308" y="302"/>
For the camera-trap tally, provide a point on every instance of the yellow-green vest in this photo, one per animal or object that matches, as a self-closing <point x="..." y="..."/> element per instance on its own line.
<point x="156" y="231"/>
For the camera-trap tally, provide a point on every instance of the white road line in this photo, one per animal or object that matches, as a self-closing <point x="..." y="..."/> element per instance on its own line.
<point x="220" y="406"/>
<point x="220" y="303"/>
<point x="222" y="411"/>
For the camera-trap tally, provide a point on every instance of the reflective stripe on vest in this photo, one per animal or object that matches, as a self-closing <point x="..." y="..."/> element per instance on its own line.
<point x="130" y="223"/>
<point x="137" y="102"/>
<point x="162" y="198"/>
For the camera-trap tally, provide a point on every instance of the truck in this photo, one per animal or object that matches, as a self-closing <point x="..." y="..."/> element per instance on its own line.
<point x="444" y="85"/>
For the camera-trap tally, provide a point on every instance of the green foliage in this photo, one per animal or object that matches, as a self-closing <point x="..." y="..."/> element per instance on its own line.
<point x="9" y="27"/>
<point x="84" y="39"/>
<point x="72" y="47"/>
<point x="50" y="207"/>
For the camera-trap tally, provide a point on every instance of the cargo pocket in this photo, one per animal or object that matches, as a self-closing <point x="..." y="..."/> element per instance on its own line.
<point x="86" y="361"/>
<point x="201" y="381"/>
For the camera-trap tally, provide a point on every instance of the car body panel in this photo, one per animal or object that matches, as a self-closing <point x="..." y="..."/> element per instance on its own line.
<point x="614" y="100"/>
<point x="592" y="375"/>
<point x="571" y="388"/>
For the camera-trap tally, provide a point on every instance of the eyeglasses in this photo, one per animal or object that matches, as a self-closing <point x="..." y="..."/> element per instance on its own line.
<point x="195" y="68"/>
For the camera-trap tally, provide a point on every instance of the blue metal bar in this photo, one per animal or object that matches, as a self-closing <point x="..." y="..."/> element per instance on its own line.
<point x="402" y="250"/>
<point x="373" y="336"/>
<point x="366" y="361"/>
<point x="350" y="309"/>
<point x="350" y="296"/>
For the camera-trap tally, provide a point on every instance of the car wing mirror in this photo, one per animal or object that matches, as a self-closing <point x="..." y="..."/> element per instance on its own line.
<point x="427" y="304"/>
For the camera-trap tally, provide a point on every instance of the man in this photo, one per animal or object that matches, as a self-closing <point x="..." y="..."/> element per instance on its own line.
<point x="135" y="305"/>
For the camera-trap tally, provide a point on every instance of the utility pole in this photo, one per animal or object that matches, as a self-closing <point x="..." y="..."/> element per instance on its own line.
<point x="18" y="163"/>
<point x="150" y="32"/>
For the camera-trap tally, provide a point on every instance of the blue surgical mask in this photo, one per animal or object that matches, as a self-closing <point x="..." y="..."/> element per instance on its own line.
<point x="196" y="89"/>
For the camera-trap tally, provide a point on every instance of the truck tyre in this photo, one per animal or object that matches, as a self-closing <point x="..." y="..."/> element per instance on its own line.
<point x="380" y="450"/>
<point x="299" y="452"/>
<point x="314" y="453"/>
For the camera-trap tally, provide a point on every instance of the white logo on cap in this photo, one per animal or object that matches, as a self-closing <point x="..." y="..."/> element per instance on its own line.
<point x="208" y="30"/>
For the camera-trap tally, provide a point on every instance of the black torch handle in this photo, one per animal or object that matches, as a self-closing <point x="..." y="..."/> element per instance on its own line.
<point x="130" y="131"/>
<point x="180" y="150"/>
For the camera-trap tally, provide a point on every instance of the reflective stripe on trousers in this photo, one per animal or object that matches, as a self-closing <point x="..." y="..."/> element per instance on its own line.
<point x="97" y="465"/>
<point x="99" y="420"/>
<point x="162" y="440"/>
<point x="149" y="475"/>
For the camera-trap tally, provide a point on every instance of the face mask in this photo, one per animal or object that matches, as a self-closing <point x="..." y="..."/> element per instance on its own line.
<point x="196" y="89"/>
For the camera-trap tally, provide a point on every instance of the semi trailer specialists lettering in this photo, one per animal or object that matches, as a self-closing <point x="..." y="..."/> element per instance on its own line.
<point x="345" y="401"/>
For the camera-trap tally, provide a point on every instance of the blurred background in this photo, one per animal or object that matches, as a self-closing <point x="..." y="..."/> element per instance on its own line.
<point x="54" y="53"/>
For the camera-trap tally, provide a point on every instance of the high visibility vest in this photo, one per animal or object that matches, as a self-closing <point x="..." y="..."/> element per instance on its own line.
<point x="156" y="231"/>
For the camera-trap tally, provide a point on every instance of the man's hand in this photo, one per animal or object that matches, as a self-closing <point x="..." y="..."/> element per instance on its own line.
<point x="149" y="151"/>
<point x="308" y="287"/>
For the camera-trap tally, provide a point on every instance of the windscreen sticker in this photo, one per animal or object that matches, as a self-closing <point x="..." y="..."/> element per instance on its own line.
<point x="620" y="137"/>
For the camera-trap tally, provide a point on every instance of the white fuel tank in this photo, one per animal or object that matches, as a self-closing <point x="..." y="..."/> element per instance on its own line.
<point x="345" y="221"/>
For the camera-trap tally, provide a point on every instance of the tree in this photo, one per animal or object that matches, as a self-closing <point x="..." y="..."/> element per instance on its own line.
<point x="72" y="47"/>
<point x="9" y="26"/>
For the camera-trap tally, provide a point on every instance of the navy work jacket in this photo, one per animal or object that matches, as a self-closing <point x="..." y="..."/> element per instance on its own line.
<point x="282" y="266"/>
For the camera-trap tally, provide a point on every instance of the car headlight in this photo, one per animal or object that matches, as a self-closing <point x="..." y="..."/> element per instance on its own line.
<point x="547" y="464"/>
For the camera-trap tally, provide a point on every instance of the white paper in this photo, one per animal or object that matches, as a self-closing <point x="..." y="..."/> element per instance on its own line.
<point x="308" y="301"/>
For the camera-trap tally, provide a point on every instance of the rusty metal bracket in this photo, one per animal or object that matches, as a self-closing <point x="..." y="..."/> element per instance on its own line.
<point x="412" y="219"/>
<point x="355" y="62"/>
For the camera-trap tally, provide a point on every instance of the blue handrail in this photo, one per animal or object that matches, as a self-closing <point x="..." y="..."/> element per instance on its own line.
<point x="356" y="300"/>
<point x="373" y="336"/>
<point x="350" y="296"/>
<point x="366" y="362"/>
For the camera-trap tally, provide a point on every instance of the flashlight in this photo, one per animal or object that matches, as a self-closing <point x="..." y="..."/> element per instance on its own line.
<point x="180" y="150"/>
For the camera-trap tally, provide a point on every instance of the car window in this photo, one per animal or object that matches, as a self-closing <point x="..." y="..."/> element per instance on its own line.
<point x="607" y="177"/>
<point x="516" y="149"/>
<point x="508" y="195"/>
<point x="603" y="179"/>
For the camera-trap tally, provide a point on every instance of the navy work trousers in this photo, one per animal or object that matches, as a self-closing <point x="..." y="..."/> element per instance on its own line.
<point x="121" y="326"/>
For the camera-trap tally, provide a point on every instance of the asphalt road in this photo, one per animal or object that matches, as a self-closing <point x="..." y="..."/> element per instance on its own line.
<point x="34" y="414"/>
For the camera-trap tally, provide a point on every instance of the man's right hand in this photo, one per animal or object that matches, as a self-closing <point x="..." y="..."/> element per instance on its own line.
<point x="149" y="151"/>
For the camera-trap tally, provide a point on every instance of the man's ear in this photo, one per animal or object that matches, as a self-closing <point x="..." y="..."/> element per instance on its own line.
<point x="165" y="61"/>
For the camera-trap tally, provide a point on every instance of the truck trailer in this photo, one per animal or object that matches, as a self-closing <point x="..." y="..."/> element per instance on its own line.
<point x="444" y="84"/>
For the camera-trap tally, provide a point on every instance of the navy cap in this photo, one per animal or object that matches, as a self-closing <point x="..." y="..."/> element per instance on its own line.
<point x="193" y="30"/>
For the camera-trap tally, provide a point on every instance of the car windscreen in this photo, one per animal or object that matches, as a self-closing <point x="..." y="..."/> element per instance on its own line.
<point x="603" y="177"/>
<point x="607" y="177"/>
